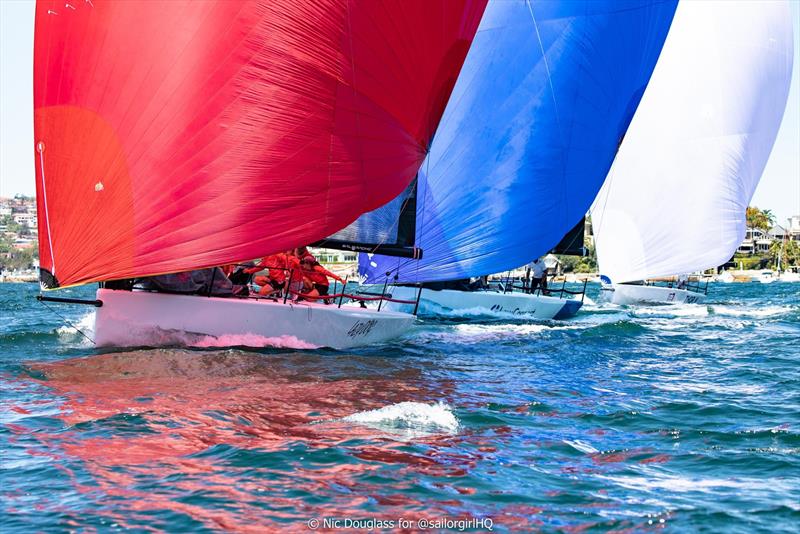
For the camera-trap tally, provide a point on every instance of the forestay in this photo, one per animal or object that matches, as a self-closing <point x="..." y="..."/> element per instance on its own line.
<point x="546" y="93"/>
<point x="675" y="199"/>
<point x="172" y="135"/>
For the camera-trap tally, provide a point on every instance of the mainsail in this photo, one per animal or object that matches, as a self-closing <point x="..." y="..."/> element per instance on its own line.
<point x="545" y="95"/>
<point x="674" y="201"/>
<point x="172" y="135"/>
<point x="389" y="229"/>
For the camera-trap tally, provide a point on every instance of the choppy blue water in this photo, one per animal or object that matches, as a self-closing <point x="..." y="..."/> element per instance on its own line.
<point x="685" y="418"/>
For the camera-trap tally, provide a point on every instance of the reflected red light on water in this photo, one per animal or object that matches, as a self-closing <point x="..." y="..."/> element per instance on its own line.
<point x="144" y="418"/>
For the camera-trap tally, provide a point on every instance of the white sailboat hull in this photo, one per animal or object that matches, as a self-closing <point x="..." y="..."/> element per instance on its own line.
<point x="631" y="295"/>
<point x="139" y="318"/>
<point x="453" y="302"/>
<point x="766" y="277"/>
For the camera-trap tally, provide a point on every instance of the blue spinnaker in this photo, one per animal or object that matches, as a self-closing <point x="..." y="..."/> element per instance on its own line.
<point x="532" y="126"/>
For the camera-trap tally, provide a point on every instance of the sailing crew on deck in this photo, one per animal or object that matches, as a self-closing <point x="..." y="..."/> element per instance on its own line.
<point x="538" y="275"/>
<point x="278" y="266"/>
<point x="683" y="279"/>
<point x="317" y="276"/>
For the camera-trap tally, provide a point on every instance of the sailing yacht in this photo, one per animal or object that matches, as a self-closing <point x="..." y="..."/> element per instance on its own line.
<point x="173" y="136"/>
<point x="546" y="93"/>
<point x="675" y="198"/>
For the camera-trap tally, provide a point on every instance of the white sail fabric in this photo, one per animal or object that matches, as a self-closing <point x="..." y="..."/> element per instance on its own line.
<point x="674" y="200"/>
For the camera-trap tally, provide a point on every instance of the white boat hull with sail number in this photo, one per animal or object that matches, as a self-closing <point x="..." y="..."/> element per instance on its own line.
<point x="632" y="294"/>
<point x="433" y="302"/>
<point x="143" y="318"/>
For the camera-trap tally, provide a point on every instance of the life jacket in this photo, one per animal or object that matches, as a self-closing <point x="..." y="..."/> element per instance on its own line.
<point x="293" y="265"/>
<point x="276" y="264"/>
<point x="317" y="277"/>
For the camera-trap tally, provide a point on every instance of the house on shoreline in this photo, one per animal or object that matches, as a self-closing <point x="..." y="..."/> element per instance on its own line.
<point x="758" y="241"/>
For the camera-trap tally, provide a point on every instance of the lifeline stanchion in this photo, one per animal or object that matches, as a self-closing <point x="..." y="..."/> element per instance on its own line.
<point x="385" y="283"/>
<point x="211" y="285"/>
<point x="344" y="288"/>
<point x="419" y="294"/>
<point x="288" y="286"/>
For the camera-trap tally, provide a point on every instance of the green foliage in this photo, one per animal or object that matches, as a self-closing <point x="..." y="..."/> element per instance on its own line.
<point x="748" y="262"/>
<point x="761" y="219"/>
<point x="579" y="264"/>
<point x="568" y="263"/>
<point x="790" y="256"/>
<point x="18" y="259"/>
<point x="792" y="253"/>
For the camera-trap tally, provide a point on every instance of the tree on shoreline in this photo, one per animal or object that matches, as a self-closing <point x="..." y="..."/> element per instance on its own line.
<point x="790" y="253"/>
<point x="760" y="219"/>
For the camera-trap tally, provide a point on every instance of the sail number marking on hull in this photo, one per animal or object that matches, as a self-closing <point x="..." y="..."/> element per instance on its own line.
<point x="362" y="328"/>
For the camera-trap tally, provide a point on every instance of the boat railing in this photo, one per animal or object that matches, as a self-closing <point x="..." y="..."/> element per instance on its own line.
<point x="696" y="287"/>
<point x="336" y="296"/>
<point x="550" y="290"/>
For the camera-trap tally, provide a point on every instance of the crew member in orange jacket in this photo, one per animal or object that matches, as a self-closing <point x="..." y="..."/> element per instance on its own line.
<point x="317" y="276"/>
<point x="279" y="265"/>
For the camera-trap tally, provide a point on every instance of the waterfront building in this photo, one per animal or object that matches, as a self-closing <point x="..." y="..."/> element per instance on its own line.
<point x="758" y="241"/>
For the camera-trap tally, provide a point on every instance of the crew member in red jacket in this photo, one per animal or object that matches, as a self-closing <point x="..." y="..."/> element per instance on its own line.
<point x="316" y="275"/>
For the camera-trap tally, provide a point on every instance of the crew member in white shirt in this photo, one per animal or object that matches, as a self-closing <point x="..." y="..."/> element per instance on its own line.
<point x="538" y="275"/>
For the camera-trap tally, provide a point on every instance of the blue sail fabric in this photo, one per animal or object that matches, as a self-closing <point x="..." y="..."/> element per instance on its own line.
<point x="541" y="105"/>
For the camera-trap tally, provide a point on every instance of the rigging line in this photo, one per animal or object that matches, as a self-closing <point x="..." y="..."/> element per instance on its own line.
<point x="555" y="103"/>
<point x="427" y="174"/>
<point x="607" y="187"/>
<point x="40" y="148"/>
<point x="355" y="92"/>
<point x="402" y="208"/>
<point x="68" y="322"/>
<point x="609" y="180"/>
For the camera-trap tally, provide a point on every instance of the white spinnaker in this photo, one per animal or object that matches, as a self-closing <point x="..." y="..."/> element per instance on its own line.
<point x="674" y="200"/>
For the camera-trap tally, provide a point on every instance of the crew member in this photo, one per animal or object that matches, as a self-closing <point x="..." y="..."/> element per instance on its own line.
<point x="317" y="276"/>
<point x="538" y="275"/>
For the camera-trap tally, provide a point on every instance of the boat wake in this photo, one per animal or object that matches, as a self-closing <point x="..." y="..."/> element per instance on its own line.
<point x="475" y="312"/>
<point x="470" y="334"/>
<point x="410" y="418"/>
<point x="748" y="311"/>
<point x="252" y="340"/>
<point x="80" y="331"/>
<point x="159" y="337"/>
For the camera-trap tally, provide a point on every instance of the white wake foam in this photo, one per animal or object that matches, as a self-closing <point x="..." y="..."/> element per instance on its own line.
<point x="581" y="446"/>
<point x="671" y="310"/>
<point x="409" y="417"/>
<point x="252" y="340"/>
<point x="431" y="308"/>
<point x="746" y="311"/>
<point x="71" y="332"/>
<point x="159" y="337"/>
<point x="470" y="334"/>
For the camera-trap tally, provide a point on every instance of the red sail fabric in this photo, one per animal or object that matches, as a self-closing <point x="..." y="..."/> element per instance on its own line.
<point x="173" y="135"/>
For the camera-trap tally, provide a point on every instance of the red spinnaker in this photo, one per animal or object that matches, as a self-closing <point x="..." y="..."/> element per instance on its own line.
<point x="172" y="135"/>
